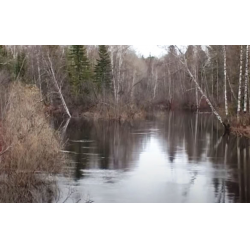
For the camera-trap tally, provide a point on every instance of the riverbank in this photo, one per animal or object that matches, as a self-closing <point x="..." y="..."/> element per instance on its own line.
<point x="102" y="111"/>
<point x="31" y="149"/>
<point x="130" y="112"/>
<point x="122" y="112"/>
<point x="241" y="131"/>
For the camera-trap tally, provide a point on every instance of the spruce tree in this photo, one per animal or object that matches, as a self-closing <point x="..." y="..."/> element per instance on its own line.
<point x="78" y="68"/>
<point x="103" y="76"/>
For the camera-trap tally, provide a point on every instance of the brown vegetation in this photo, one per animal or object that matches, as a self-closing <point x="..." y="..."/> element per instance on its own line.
<point x="241" y="131"/>
<point x="31" y="149"/>
<point x="241" y="127"/>
<point x="116" y="113"/>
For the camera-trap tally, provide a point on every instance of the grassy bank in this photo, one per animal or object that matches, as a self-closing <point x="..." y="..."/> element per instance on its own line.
<point x="31" y="149"/>
<point x="116" y="113"/>
<point x="101" y="111"/>
<point x="111" y="111"/>
<point x="241" y="127"/>
<point x="241" y="131"/>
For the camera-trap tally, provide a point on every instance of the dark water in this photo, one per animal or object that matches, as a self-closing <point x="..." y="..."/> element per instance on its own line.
<point x="176" y="158"/>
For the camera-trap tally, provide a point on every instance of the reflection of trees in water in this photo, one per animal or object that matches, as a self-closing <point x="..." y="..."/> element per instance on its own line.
<point x="190" y="129"/>
<point x="228" y="155"/>
<point x="116" y="146"/>
<point x="202" y="136"/>
<point x="108" y="145"/>
<point x="232" y="154"/>
<point x="243" y="160"/>
<point x="77" y="129"/>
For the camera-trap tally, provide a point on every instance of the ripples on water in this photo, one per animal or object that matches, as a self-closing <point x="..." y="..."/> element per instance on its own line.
<point x="178" y="158"/>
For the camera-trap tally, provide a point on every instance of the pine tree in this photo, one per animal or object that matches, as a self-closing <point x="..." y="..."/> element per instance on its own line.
<point x="103" y="75"/>
<point x="78" y="68"/>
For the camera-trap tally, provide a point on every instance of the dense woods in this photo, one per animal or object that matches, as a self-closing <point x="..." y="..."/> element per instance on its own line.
<point x="74" y="79"/>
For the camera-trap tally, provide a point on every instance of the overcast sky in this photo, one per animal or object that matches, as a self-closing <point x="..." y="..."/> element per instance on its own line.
<point x="146" y="50"/>
<point x="154" y="50"/>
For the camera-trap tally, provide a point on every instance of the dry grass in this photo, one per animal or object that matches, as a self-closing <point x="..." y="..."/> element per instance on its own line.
<point x="240" y="127"/>
<point x="32" y="147"/>
<point x="241" y="131"/>
<point x="16" y="187"/>
<point x="120" y="113"/>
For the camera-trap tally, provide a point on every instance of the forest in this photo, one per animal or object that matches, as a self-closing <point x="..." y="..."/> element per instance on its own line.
<point x="114" y="79"/>
<point x="107" y="82"/>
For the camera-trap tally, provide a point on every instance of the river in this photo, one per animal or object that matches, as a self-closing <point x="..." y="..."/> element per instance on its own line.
<point x="177" y="157"/>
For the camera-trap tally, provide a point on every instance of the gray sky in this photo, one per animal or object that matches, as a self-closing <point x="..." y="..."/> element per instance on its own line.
<point x="155" y="50"/>
<point x="146" y="50"/>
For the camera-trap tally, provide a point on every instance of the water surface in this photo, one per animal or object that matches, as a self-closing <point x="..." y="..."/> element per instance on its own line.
<point x="180" y="157"/>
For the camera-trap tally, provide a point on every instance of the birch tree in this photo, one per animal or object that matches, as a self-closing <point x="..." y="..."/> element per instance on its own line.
<point x="155" y="82"/>
<point x="184" y="62"/>
<point x="57" y="85"/>
<point x="240" y="78"/>
<point x="51" y="71"/>
<point x="246" y="81"/>
<point x="117" y="54"/>
<point x="225" y="79"/>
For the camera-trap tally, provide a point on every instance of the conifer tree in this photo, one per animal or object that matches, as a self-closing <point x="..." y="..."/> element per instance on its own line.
<point x="79" y="68"/>
<point x="103" y="75"/>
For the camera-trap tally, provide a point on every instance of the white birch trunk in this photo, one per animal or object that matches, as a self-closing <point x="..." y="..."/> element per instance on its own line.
<point x="213" y="81"/>
<point x="225" y="79"/>
<point x="207" y="100"/>
<point x="240" y="78"/>
<point x="217" y="82"/>
<point x="119" y="73"/>
<point x="169" y="84"/>
<point x="246" y="81"/>
<point x="112" y="69"/>
<point x="247" y="55"/>
<point x="156" y="83"/>
<point x="196" y="92"/>
<point x="201" y="91"/>
<point x="58" y="88"/>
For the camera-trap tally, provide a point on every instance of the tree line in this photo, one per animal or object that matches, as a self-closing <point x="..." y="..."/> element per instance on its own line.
<point x="83" y="75"/>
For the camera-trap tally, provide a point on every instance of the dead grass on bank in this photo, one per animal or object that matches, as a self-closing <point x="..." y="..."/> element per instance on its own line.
<point x="241" y="131"/>
<point x="120" y="113"/>
<point x="32" y="148"/>
<point x="240" y="127"/>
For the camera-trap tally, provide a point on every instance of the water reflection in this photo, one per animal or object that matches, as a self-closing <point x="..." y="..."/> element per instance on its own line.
<point x="175" y="158"/>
